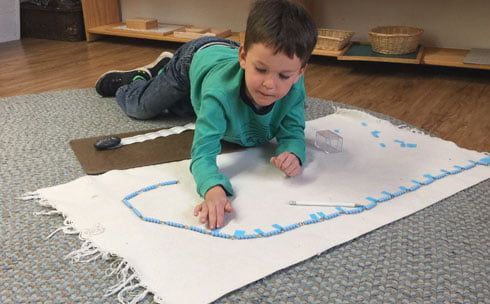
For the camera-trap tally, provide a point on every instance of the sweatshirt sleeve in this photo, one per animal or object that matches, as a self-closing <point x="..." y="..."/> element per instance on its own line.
<point x="291" y="134"/>
<point x="206" y="145"/>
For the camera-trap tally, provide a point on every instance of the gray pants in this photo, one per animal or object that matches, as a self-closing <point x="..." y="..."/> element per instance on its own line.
<point x="170" y="90"/>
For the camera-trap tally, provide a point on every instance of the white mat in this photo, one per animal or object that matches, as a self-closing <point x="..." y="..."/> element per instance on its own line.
<point x="380" y="162"/>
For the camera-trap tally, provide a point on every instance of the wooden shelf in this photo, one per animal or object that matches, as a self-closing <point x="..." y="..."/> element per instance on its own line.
<point x="110" y="30"/>
<point x="426" y="55"/>
<point x="449" y="58"/>
<point x="101" y="16"/>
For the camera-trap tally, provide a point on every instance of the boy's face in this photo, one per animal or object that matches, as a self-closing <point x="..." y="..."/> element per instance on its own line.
<point x="268" y="76"/>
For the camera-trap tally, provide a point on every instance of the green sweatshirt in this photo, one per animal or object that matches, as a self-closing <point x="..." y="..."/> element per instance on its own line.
<point x="224" y="113"/>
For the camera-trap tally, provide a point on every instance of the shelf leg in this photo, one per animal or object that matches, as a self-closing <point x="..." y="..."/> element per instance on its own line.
<point x="99" y="12"/>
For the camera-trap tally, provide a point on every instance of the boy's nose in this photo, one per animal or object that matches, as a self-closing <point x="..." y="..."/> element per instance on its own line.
<point x="268" y="83"/>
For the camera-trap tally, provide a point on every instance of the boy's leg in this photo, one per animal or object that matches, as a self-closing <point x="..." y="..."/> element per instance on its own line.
<point x="145" y="99"/>
<point x="170" y="89"/>
<point x="109" y="82"/>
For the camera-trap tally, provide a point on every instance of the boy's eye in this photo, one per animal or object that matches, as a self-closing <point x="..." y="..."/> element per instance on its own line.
<point x="260" y="70"/>
<point x="284" y="77"/>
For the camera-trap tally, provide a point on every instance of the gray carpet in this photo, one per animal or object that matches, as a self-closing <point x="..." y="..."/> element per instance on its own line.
<point x="438" y="255"/>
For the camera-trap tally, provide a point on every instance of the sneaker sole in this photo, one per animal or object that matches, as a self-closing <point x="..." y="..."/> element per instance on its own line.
<point x="157" y="60"/>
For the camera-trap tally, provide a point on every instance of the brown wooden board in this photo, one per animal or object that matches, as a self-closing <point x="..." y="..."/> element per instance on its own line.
<point x="193" y="33"/>
<point x="331" y="53"/>
<point x="142" y="23"/>
<point x="151" y="152"/>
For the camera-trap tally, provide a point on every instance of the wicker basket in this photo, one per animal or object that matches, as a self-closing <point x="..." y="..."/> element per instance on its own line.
<point x="333" y="40"/>
<point x="395" y="40"/>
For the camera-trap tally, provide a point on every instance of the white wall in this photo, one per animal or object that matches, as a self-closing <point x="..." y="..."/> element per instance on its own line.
<point x="447" y="23"/>
<point x="9" y="20"/>
<point x="230" y="14"/>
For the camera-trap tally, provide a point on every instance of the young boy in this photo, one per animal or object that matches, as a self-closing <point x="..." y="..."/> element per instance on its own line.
<point x="245" y="94"/>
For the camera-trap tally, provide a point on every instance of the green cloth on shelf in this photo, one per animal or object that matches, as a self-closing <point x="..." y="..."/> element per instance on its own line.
<point x="365" y="50"/>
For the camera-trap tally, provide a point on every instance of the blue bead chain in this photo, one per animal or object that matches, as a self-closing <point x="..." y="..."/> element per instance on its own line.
<point x="314" y="218"/>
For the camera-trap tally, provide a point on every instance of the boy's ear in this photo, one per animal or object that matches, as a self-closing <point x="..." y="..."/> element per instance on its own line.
<point x="302" y="70"/>
<point x="242" y="55"/>
<point x="301" y="73"/>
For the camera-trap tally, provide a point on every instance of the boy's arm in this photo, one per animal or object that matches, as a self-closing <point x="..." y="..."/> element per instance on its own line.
<point x="206" y="145"/>
<point x="212" y="210"/>
<point x="291" y="134"/>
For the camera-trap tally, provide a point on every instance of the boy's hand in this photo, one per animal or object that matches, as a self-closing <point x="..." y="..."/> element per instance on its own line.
<point x="288" y="163"/>
<point x="212" y="210"/>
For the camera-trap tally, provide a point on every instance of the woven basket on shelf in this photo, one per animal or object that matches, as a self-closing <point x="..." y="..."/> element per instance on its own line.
<point x="333" y="40"/>
<point x="395" y="40"/>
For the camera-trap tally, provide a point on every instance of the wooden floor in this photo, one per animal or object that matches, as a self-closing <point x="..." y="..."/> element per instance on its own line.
<point x="452" y="103"/>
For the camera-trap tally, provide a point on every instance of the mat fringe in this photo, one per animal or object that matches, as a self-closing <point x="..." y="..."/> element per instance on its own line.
<point x="129" y="289"/>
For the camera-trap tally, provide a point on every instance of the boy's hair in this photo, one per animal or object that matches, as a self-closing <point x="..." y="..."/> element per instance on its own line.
<point x="283" y="25"/>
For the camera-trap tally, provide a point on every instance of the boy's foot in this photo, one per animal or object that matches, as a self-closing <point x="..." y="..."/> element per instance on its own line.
<point x="108" y="83"/>
<point x="158" y="63"/>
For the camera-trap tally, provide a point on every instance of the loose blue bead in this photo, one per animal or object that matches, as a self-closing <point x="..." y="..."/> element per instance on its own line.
<point x="403" y="188"/>
<point x="322" y="215"/>
<point x="314" y="217"/>
<point x="484" y="161"/>
<point x="278" y="227"/>
<point x="259" y="231"/>
<point x="370" y="206"/>
<point x="372" y="199"/>
<point x="387" y="193"/>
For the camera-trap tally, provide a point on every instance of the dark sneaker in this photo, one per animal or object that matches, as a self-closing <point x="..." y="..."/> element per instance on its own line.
<point x="108" y="83"/>
<point x="158" y="63"/>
